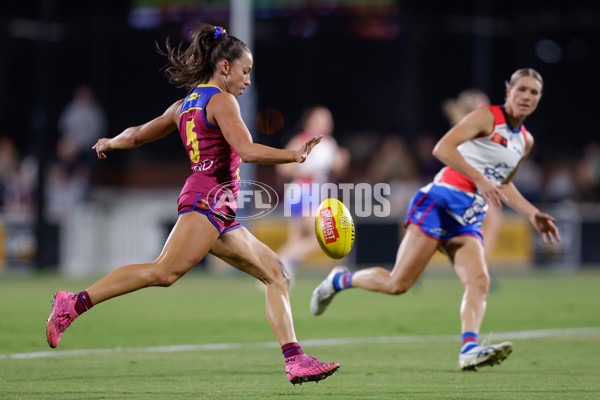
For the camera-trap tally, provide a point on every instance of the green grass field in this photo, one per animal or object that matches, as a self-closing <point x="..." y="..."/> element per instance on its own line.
<point x="402" y="347"/>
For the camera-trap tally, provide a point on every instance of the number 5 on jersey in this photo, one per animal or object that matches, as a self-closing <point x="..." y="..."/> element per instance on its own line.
<point x="193" y="140"/>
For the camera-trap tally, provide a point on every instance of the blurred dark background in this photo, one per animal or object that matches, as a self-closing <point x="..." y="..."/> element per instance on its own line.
<point x="383" y="68"/>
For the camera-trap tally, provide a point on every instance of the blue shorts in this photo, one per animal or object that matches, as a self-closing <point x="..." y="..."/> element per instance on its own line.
<point x="219" y="213"/>
<point x="442" y="213"/>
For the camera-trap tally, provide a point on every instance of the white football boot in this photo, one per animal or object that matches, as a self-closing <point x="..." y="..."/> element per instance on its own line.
<point x="481" y="356"/>
<point x="324" y="293"/>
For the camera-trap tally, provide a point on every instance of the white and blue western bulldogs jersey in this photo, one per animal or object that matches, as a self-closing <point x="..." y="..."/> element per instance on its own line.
<point x="451" y="205"/>
<point x="495" y="155"/>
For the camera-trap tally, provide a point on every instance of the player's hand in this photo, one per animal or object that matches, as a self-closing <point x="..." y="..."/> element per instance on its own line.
<point x="491" y="192"/>
<point x="101" y="147"/>
<point x="306" y="148"/>
<point x="544" y="224"/>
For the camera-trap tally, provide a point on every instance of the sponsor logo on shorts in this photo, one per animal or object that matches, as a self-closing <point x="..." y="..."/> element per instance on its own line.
<point x="220" y="216"/>
<point x="438" y="231"/>
<point x="477" y="208"/>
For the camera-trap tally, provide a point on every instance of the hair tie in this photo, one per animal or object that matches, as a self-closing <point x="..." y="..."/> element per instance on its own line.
<point x="220" y="32"/>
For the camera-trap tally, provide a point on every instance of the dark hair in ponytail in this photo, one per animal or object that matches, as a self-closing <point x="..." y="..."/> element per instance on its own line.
<point x="197" y="63"/>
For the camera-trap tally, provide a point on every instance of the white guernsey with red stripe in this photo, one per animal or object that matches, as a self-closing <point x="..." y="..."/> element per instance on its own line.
<point x="495" y="155"/>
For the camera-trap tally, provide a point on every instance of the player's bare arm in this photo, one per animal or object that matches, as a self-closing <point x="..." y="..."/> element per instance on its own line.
<point x="479" y="122"/>
<point x="224" y="112"/>
<point x="136" y="136"/>
<point x="542" y="222"/>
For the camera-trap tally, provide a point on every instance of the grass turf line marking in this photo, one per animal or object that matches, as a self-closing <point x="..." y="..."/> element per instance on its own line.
<point x="537" y="334"/>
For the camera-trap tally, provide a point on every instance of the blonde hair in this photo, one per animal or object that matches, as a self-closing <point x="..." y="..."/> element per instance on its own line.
<point x="468" y="100"/>
<point x="524" y="72"/>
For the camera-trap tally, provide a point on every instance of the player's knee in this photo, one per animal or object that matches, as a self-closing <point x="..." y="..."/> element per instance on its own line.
<point x="285" y="272"/>
<point x="480" y="283"/>
<point x="484" y="285"/>
<point x="277" y="276"/>
<point x="275" y="273"/>
<point x="397" y="288"/>
<point x="168" y="280"/>
<point x="164" y="278"/>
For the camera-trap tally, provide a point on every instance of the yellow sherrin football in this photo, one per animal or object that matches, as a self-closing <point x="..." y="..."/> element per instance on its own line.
<point x="335" y="228"/>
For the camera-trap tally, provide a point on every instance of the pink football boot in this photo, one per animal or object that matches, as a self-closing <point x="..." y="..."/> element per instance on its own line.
<point x="61" y="316"/>
<point x="304" y="368"/>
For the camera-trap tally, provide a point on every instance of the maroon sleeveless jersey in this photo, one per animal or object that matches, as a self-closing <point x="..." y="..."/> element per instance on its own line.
<point x="215" y="164"/>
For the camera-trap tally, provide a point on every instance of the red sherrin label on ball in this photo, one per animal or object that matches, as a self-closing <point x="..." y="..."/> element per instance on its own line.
<point x="330" y="232"/>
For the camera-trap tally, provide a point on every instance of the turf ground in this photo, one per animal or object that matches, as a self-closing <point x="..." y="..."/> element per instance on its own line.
<point x="207" y="337"/>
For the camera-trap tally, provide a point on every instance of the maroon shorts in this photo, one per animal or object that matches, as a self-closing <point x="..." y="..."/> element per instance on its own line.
<point x="219" y="213"/>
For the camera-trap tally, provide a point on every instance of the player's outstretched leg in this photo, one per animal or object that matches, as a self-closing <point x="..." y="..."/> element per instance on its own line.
<point x="64" y="310"/>
<point x="323" y="294"/>
<point x="481" y="356"/>
<point x="303" y="368"/>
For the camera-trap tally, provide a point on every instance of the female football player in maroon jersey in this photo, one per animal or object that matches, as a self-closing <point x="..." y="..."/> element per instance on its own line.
<point x="215" y="69"/>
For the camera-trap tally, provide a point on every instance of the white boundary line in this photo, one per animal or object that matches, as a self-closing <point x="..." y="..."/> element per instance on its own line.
<point x="537" y="334"/>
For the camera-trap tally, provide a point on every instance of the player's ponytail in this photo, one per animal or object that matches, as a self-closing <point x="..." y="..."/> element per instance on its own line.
<point x="197" y="63"/>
